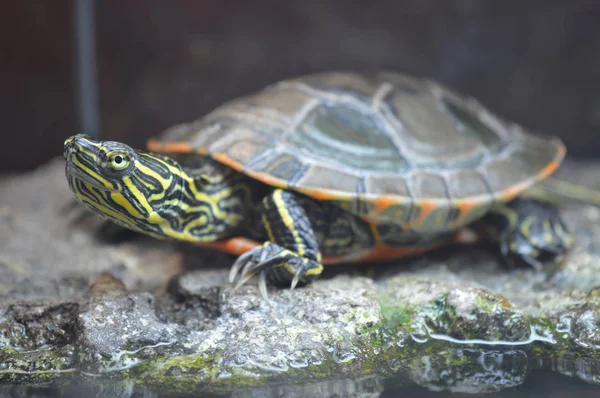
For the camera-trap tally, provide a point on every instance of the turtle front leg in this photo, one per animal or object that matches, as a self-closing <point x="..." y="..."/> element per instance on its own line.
<point x="529" y="232"/>
<point x="291" y="256"/>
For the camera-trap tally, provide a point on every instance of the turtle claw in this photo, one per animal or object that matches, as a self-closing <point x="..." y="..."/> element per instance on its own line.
<point x="249" y="264"/>
<point x="239" y="263"/>
<point x="296" y="279"/>
<point x="273" y="264"/>
<point x="262" y="285"/>
<point x="242" y="281"/>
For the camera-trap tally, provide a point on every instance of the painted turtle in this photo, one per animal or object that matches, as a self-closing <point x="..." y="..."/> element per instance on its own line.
<point x="329" y="168"/>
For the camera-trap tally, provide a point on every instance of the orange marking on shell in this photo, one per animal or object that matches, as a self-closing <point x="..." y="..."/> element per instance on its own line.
<point x="465" y="208"/>
<point x="318" y="194"/>
<point x="223" y="158"/>
<point x="168" y="147"/>
<point x="554" y="164"/>
<point x="514" y="191"/>
<point x="268" y="179"/>
<point x="384" y="202"/>
<point x="426" y="207"/>
<point x="550" y="168"/>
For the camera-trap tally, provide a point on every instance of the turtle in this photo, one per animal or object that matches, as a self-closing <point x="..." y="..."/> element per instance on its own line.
<point x="335" y="167"/>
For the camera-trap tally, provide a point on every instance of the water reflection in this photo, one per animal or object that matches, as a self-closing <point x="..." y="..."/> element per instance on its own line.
<point x="458" y="373"/>
<point x="470" y="370"/>
<point x="586" y="369"/>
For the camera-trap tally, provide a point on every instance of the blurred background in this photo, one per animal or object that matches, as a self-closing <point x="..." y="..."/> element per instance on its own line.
<point x="152" y="64"/>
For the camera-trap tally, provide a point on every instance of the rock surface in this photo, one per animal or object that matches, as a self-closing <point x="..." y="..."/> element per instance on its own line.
<point x="75" y="306"/>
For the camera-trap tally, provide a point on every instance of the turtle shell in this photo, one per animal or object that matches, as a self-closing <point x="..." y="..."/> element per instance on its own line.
<point x="387" y="147"/>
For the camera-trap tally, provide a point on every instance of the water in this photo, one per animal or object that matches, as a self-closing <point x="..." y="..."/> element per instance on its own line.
<point x="539" y="383"/>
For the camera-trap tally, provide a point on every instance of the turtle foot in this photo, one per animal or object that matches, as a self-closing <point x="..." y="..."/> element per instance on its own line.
<point x="537" y="236"/>
<point x="273" y="264"/>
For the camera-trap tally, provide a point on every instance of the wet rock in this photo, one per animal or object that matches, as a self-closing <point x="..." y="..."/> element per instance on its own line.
<point x="457" y="311"/>
<point x="31" y="326"/>
<point x="117" y="329"/>
<point x="163" y="316"/>
<point x="198" y="290"/>
<point x="37" y="341"/>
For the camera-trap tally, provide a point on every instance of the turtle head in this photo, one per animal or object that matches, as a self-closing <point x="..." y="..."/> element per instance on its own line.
<point x="135" y="189"/>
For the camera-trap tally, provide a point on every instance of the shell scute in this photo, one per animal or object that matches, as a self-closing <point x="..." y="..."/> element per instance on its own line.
<point x="468" y="183"/>
<point x="282" y="165"/>
<point x="318" y="176"/>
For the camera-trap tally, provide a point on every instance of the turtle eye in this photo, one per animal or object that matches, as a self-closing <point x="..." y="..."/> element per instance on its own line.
<point x="119" y="162"/>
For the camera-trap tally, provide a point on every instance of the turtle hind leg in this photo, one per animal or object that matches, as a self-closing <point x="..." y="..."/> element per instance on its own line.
<point x="529" y="232"/>
<point x="291" y="256"/>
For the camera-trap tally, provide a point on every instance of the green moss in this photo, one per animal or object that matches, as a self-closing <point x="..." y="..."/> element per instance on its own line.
<point x="396" y="313"/>
<point x="195" y="373"/>
<point x="189" y="373"/>
<point x="6" y="345"/>
<point x="485" y="304"/>
<point x="488" y="302"/>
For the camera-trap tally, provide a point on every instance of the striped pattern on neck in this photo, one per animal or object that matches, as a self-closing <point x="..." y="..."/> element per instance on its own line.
<point x="151" y="194"/>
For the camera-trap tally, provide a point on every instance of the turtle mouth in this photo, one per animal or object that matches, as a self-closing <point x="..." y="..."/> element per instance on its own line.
<point x="73" y="173"/>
